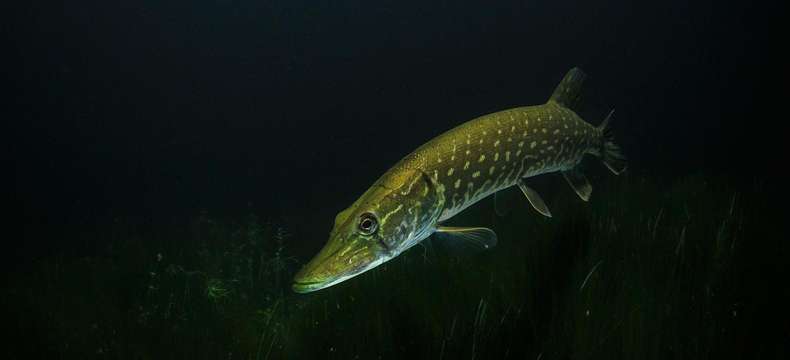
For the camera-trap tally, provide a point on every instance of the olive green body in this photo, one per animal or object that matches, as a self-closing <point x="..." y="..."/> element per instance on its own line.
<point x="455" y="170"/>
<point x="493" y="151"/>
<point x="443" y="177"/>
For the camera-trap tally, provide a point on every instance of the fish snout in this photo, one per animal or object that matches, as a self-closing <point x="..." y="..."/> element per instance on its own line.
<point x="339" y="260"/>
<point x="311" y="276"/>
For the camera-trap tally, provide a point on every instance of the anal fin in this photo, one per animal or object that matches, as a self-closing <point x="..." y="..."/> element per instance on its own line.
<point x="474" y="238"/>
<point x="534" y="199"/>
<point x="579" y="183"/>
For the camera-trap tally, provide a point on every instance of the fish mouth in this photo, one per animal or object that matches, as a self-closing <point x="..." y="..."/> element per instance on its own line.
<point x="304" y="287"/>
<point x="305" y="282"/>
<point x="307" y="286"/>
<point x="317" y="274"/>
<point x="325" y="271"/>
<point x="339" y="260"/>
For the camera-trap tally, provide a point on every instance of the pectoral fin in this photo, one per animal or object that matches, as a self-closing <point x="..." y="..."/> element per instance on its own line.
<point x="579" y="183"/>
<point x="534" y="198"/>
<point x="468" y="238"/>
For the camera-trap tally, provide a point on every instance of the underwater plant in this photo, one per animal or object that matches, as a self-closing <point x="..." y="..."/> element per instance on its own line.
<point x="652" y="271"/>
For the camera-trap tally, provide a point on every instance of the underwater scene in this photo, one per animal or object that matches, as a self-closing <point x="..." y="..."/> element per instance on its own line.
<point x="394" y="180"/>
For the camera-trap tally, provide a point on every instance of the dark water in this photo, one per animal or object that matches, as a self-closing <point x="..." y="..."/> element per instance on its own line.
<point x="171" y="165"/>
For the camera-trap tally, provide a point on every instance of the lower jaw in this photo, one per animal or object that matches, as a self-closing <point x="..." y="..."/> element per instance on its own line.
<point x="304" y="288"/>
<point x="307" y="287"/>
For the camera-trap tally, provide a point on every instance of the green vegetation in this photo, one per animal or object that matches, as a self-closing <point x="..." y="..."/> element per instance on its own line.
<point x="643" y="271"/>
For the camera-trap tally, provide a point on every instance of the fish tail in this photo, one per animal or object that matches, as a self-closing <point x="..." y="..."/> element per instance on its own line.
<point x="610" y="152"/>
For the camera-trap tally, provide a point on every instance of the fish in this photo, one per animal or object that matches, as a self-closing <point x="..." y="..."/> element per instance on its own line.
<point x="455" y="170"/>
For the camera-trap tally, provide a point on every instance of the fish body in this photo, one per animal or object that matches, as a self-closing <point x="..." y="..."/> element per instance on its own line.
<point x="455" y="170"/>
<point x="495" y="151"/>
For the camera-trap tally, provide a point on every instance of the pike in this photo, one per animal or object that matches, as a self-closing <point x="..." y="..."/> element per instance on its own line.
<point x="455" y="170"/>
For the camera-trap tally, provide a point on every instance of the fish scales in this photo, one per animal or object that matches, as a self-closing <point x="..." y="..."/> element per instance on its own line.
<point x="456" y="169"/>
<point x="491" y="152"/>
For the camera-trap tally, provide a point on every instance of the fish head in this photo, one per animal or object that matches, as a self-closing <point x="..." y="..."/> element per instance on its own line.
<point x="396" y="213"/>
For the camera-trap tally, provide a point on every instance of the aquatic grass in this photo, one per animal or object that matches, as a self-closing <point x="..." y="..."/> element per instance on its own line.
<point x="644" y="270"/>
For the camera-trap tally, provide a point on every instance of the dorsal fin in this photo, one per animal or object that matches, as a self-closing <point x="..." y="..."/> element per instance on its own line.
<point x="568" y="92"/>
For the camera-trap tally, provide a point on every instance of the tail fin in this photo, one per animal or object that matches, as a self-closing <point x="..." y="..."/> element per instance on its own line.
<point x="611" y="155"/>
<point x="568" y="92"/>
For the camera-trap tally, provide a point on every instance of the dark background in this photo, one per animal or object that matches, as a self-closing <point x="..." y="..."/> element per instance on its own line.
<point x="290" y="109"/>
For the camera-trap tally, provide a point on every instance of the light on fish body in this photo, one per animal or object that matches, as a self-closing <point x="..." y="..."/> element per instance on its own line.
<point x="455" y="170"/>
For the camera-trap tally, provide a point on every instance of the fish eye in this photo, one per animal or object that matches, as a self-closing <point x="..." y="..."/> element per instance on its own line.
<point x="368" y="223"/>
